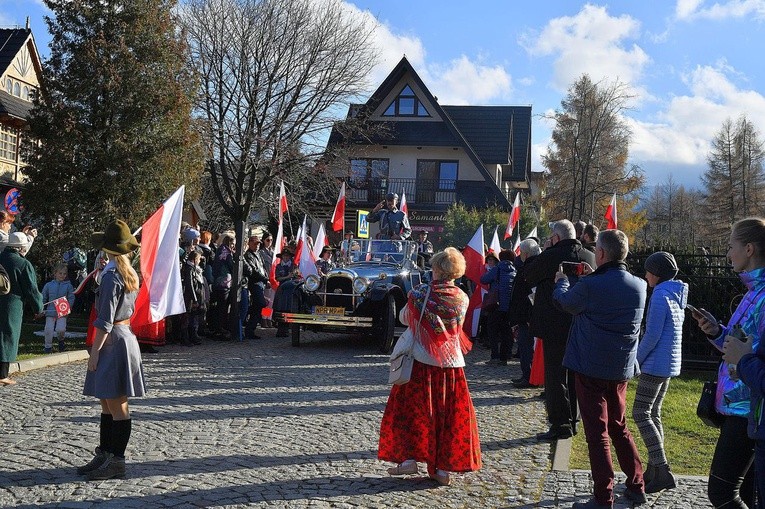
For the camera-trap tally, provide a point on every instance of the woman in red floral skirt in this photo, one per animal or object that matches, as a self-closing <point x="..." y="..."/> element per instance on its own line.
<point x="431" y="418"/>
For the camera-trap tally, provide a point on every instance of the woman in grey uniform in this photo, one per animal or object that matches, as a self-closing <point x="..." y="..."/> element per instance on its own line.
<point x="114" y="368"/>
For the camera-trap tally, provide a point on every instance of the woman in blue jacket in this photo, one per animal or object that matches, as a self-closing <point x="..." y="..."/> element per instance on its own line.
<point x="659" y="356"/>
<point x="731" y="478"/>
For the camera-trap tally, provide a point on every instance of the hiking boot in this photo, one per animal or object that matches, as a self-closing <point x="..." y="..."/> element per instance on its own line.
<point x="97" y="461"/>
<point x="112" y="468"/>
<point x="663" y="479"/>
<point x="636" y="497"/>
<point x="61" y="346"/>
<point x="648" y="473"/>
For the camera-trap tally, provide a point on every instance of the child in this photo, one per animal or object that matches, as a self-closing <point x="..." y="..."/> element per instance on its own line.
<point x="659" y="357"/>
<point x="195" y="298"/>
<point x="59" y="287"/>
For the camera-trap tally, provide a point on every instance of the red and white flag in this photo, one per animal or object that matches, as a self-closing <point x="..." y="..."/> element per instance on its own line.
<point x="533" y="233"/>
<point x="321" y="241"/>
<point x="338" y="216"/>
<point x="517" y="245"/>
<point x="611" y="214"/>
<point x="404" y="207"/>
<point x="474" y="269"/>
<point x="279" y="244"/>
<point x="161" y="293"/>
<point x="495" y="247"/>
<point x="306" y="261"/>
<point x="515" y="216"/>
<point x="61" y="305"/>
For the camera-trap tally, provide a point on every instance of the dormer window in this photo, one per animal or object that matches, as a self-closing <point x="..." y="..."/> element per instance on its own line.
<point x="25" y="93"/>
<point x="406" y="104"/>
<point x="9" y="86"/>
<point x="17" y="90"/>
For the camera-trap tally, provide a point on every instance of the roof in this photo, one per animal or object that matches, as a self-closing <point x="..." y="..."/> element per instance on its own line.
<point x="11" y="42"/>
<point x="13" y="106"/>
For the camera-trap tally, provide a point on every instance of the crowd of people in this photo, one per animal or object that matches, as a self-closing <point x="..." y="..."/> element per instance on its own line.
<point x="570" y="297"/>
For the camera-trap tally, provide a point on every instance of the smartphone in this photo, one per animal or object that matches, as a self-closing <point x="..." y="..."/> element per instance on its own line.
<point x="573" y="268"/>
<point x="692" y="309"/>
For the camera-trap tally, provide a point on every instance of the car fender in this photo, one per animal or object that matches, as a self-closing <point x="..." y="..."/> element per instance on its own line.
<point x="379" y="291"/>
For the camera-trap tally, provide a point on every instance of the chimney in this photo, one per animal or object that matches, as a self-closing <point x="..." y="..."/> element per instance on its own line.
<point x="27" y="23"/>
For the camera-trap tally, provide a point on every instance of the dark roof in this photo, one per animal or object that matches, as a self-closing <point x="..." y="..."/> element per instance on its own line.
<point x="11" y="42"/>
<point x="13" y="106"/>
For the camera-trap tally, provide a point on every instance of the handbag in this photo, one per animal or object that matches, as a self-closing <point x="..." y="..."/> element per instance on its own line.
<point x="402" y="358"/>
<point x="706" y="410"/>
<point x="491" y="300"/>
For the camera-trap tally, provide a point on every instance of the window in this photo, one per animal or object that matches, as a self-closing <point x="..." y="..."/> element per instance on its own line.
<point x="9" y="86"/>
<point x="17" y="90"/>
<point x="25" y="93"/>
<point x="368" y="171"/>
<point x="406" y="104"/>
<point x="7" y="144"/>
<point x="436" y="181"/>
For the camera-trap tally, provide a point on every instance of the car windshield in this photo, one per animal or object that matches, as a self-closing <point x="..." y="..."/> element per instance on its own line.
<point x="392" y="251"/>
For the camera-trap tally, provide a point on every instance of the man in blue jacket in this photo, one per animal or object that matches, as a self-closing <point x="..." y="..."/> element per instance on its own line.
<point x="607" y="306"/>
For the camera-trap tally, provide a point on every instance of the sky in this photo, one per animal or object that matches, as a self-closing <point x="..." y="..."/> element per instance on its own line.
<point x="690" y="64"/>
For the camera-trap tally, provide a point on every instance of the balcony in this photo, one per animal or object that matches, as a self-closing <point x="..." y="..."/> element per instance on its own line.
<point x="419" y="191"/>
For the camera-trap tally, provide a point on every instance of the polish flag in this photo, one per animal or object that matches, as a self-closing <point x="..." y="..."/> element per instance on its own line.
<point x="306" y="262"/>
<point x="61" y="305"/>
<point x="338" y="216"/>
<point x="494" y="247"/>
<point x="517" y="245"/>
<point x="404" y="207"/>
<point x="611" y="214"/>
<point x="321" y="241"/>
<point x="474" y="268"/>
<point x="279" y="244"/>
<point x="161" y="293"/>
<point x="515" y="216"/>
<point x="533" y="233"/>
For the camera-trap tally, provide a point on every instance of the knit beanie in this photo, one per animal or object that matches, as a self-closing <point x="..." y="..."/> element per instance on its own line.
<point x="189" y="235"/>
<point x="662" y="264"/>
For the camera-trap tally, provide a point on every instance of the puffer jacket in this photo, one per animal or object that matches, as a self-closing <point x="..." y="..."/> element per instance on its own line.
<point x="660" y="350"/>
<point x="751" y="369"/>
<point x="732" y="397"/>
<point x="501" y="278"/>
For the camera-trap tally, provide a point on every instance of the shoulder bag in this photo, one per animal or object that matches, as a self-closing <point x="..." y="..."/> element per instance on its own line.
<point x="706" y="410"/>
<point x="402" y="358"/>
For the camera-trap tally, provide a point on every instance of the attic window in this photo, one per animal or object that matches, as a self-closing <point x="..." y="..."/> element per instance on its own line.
<point x="9" y="86"/>
<point x="406" y="104"/>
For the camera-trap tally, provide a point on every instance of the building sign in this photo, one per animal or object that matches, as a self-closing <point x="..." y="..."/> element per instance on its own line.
<point x="12" y="201"/>
<point x="427" y="216"/>
<point x="362" y="224"/>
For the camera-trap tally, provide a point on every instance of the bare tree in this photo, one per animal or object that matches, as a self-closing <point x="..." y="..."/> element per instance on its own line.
<point x="587" y="158"/>
<point x="273" y="75"/>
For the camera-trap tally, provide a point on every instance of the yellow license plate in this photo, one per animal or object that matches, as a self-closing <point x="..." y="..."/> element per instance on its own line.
<point x="328" y="310"/>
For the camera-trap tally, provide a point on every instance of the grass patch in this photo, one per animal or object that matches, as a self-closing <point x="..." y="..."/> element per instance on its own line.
<point x="31" y="346"/>
<point x="688" y="443"/>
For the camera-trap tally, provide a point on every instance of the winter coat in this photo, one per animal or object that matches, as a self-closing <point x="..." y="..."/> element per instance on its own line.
<point x="194" y="287"/>
<point x="53" y="290"/>
<point x="500" y="278"/>
<point x="24" y="290"/>
<point x="608" y="309"/>
<point x="520" y="304"/>
<point x="751" y="369"/>
<point x="548" y="320"/>
<point x="660" y="349"/>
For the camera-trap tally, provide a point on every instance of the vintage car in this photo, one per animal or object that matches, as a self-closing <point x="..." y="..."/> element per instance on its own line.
<point x="362" y="295"/>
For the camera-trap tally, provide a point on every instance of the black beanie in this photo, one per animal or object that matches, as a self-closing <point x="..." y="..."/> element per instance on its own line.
<point x="662" y="264"/>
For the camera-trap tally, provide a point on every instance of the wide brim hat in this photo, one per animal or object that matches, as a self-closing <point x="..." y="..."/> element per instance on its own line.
<point x="17" y="239"/>
<point x="491" y="254"/>
<point x="327" y="249"/>
<point x="116" y="239"/>
<point x="286" y="251"/>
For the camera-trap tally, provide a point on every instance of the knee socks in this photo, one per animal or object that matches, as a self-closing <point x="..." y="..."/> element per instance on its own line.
<point x="105" y="433"/>
<point x="120" y="437"/>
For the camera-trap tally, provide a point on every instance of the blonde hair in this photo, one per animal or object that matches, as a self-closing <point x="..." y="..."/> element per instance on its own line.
<point x="449" y="262"/>
<point x="751" y="230"/>
<point x="126" y="270"/>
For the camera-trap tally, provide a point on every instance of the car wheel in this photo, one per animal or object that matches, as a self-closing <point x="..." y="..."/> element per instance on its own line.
<point x="388" y="325"/>
<point x="295" y="334"/>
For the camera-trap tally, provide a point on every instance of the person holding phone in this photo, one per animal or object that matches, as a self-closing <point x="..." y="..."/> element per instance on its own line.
<point x="731" y="478"/>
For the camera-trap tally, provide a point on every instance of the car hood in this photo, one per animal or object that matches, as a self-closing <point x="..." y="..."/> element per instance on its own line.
<point x="369" y="270"/>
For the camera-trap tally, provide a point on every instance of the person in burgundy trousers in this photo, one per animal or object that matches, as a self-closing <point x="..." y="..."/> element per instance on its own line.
<point x="607" y="305"/>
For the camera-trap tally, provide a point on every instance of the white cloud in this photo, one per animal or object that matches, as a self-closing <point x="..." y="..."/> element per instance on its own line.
<point x="694" y="9"/>
<point x="683" y="131"/>
<point x="462" y="81"/>
<point x="591" y="42"/>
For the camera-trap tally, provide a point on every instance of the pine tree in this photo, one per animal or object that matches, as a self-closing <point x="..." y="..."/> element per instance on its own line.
<point x="112" y="126"/>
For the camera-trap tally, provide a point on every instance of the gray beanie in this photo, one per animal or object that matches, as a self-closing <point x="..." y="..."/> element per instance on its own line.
<point x="662" y="264"/>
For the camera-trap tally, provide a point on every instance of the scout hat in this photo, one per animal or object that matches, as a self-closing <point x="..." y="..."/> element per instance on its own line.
<point x="117" y="239"/>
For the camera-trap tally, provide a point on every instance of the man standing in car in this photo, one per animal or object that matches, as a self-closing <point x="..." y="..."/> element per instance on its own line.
<point x="394" y="225"/>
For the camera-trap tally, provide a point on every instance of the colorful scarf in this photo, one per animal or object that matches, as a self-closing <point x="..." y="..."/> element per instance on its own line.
<point x="441" y="327"/>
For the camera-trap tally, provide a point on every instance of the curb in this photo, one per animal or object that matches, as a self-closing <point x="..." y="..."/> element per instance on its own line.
<point x="561" y="455"/>
<point x="48" y="360"/>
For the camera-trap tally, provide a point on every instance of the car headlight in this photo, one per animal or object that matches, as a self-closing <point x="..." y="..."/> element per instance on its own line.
<point x="312" y="283"/>
<point x="360" y="285"/>
<point x="383" y="276"/>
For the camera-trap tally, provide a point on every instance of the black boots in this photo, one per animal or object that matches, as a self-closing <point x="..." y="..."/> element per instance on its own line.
<point x="662" y="479"/>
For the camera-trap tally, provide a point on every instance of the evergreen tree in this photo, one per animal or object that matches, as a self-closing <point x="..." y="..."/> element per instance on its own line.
<point x="111" y="129"/>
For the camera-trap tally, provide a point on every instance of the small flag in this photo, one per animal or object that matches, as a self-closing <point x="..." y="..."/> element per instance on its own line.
<point x="61" y="305"/>
<point x="305" y="259"/>
<point x="404" y="207"/>
<point x="533" y="233"/>
<point x="338" y="216"/>
<point x="515" y="216"/>
<point x="321" y="241"/>
<point x="280" y="241"/>
<point x="611" y="214"/>
<point x="495" y="247"/>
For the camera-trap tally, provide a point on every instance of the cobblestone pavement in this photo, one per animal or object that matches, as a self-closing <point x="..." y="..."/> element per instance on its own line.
<point x="262" y="424"/>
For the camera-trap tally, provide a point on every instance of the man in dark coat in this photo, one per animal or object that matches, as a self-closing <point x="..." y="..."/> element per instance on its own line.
<point x="394" y="224"/>
<point x="607" y="306"/>
<point x="552" y="324"/>
<point x="23" y="282"/>
<point x="520" y="310"/>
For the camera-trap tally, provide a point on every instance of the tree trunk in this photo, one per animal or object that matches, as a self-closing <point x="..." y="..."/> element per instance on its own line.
<point x="235" y="318"/>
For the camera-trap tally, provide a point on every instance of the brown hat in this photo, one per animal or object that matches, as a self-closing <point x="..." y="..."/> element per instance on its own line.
<point x="327" y="249"/>
<point x="117" y="239"/>
<point x="286" y="251"/>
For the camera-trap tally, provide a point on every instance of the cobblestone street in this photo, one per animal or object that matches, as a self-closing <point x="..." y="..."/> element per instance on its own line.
<point x="260" y="423"/>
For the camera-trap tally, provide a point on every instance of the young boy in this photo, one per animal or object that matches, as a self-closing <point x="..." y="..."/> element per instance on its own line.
<point x="59" y="287"/>
<point x="195" y="296"/>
